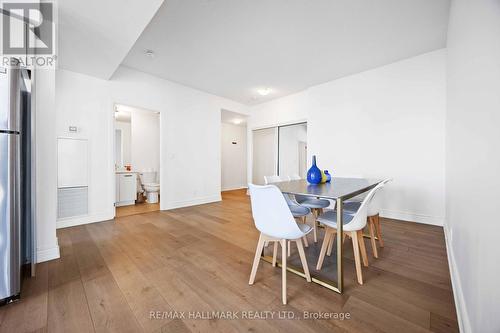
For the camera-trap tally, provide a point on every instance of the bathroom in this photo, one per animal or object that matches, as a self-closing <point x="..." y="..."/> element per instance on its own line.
<point x="137" y="160"/>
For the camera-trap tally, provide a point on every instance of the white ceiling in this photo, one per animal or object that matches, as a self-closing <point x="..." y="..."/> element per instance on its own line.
<point x="233" y="48"/>
<point x="95" y="35"/>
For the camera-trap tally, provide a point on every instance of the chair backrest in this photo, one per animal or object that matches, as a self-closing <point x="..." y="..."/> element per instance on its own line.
<point x="294" y="177"/>
<point x="374" y="206"/>
<point x="359" y="220"/>
<point x="274" y="179"/>
<point x="271" y="214"/>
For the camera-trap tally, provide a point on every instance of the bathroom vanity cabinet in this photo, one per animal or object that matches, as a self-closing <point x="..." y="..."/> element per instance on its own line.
<point x="126" y="188"/>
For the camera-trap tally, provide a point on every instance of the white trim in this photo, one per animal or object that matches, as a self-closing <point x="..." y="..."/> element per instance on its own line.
<point x="280" y="124"/>
<point x="125" y="203"/>
<point x="458" y="295"/>
<point x="86" y="219"/>
<point x="192" y="202"/>
<point x="412" y="217"/>
<point x="231" y="188"/>
<point x="47" y="254"/>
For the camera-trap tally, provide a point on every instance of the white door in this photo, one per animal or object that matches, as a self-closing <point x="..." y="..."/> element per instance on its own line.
<point x="264" y="154"/>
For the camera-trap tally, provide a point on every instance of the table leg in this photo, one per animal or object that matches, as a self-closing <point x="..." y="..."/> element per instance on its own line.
<point x="340" y="224"/>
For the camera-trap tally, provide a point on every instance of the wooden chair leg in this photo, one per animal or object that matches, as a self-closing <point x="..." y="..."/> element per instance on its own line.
<point x="379" y="230"/>
<point x="315" y="232"/>
<point x="303" y="259"/>
<point x="256" y="259"/>
<point x="328" y="235"/>
<point x="371" y="226"/>
<point x="304" y="220"/>
<point x="288" y="248"/>
<point x="283" y="270"/>
<point x="330" y="244"/>
<point x="362" y="247"/>
<point x="275" y="252"/>
<point x="357" y="259"/>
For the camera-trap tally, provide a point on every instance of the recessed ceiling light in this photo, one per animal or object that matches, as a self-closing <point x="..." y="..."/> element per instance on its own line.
<point x="264" y="91"/>
<point x="149" y="53"/>
<point x="237" y="121"/>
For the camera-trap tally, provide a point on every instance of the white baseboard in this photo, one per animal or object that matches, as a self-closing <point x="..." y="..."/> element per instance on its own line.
<point x="79" y="220"/>
<point x="412" y="217"/>
<point x="231" y="188"/>
<point x="47" y="254"/>
<point x="458" y="295"/>
<point x="192" y="202"/>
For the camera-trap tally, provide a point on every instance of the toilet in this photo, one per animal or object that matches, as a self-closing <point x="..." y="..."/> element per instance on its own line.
<point x="150" y="185"/>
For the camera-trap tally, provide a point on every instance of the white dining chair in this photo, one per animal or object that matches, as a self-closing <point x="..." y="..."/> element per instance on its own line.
<point x="298" y="211"/>
<point x="275" y="221"/>
<point x="316" y="205"/>
<point x="373" y="221"/>
<point x="353" y="224"/>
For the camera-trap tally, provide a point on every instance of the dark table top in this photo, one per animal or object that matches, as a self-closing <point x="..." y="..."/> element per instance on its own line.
<point x="338" y="188"/>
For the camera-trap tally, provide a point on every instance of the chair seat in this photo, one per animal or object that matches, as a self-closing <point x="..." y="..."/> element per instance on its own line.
<point x="299" y="211"/>
<point x="329" y="218"/>
<point x="312" y="202"/>
<point x="351" y="206"/>
<point x="305" y="228"/>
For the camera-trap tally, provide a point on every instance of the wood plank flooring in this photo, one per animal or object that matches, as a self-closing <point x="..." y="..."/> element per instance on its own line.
<point x="138" y="208"/>
<point x="112" y="275"/>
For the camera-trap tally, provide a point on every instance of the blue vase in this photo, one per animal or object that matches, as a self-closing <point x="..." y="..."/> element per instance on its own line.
<point x="314" y="173"/>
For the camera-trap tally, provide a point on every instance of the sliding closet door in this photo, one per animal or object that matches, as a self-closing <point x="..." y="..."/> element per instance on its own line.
<point x="265" y="153"/>
<point x="292" y="148"/>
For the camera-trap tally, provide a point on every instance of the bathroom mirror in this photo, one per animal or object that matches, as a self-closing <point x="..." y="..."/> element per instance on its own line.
<point x="118" y="148"/>
<point x="122" y="143"/>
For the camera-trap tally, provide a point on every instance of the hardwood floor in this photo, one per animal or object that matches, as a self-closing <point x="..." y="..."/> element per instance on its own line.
<point x="139" y="208"/>
<point x="112" y="275"/>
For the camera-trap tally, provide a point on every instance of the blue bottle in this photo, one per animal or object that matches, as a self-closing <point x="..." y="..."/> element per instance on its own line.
<point x="314" y="173"/>
<point x="328" y="176"/>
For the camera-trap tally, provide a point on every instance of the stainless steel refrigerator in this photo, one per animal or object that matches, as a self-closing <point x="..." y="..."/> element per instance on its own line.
<point x="17" y="204"/>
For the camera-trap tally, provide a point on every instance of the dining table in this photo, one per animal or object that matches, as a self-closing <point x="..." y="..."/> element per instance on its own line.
<point x="337" y="191"/>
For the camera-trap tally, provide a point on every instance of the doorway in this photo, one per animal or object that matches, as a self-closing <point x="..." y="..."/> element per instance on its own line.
<point x="233" y="151"/>
<point x="137" y="160"/>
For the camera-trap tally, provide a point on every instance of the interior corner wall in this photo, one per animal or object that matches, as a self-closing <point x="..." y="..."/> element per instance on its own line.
<point x="190" y="135"/>
<point x="473" y="161"/>
<point x="383" y="123"/>
<point x="45" y="164"/>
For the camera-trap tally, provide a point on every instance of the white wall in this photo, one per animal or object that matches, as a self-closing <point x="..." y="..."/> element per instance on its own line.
<point x="125" y="128"/>
<point x="46" y="165"/>
<point x="473" y="161"/>
<point x="386" y="122"/>
<point x="145" y="141"/>
<point x="190" y="135"/>
<point x="234" y="156"/>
